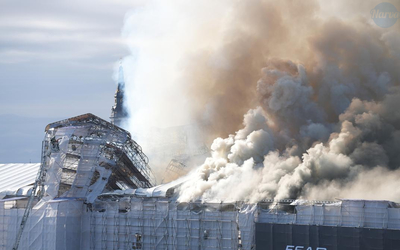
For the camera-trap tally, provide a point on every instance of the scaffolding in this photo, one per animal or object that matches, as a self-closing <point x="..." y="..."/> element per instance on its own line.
<point x="94" y="191"/>
<point x="140" y="223"/>
<point x="82" y="157"/>
<point x="174" y="170"/>
<point x="130" y="222"/>
<point x="86" y="156"/>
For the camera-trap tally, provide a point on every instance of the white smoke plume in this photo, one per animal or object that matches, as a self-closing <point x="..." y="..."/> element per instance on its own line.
<point x="321" y="118"/>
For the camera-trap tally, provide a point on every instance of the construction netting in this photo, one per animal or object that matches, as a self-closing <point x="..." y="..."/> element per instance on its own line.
<point x="160" y="224"/>
<point x="82" y="161"/>
<point x="308" y="237"/>
<point x="346" y="213"/>
<point x="129" y="222"/>
<point x="51" y="225"/>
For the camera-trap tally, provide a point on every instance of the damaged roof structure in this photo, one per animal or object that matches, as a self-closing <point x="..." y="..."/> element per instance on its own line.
<point x="95" y="190"/>
<point x="82" y="157"/>
<point x="87" y="155"/>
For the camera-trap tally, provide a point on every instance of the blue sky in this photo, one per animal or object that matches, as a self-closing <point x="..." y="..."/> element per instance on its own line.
<point x="57" y="60"/>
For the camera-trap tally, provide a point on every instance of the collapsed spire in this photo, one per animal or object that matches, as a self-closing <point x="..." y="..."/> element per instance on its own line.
<point x="118" y="111"/>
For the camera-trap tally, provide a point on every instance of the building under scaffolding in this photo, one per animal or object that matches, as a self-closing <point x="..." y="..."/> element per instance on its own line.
<point x="94" y="190"/>
<point x="86" y="156"/>
<point x="149" y="220"/>
<point x="82" y="157"/>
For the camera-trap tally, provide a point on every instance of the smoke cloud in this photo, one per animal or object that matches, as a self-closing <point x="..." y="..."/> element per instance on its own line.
<point x="319" y="91"/>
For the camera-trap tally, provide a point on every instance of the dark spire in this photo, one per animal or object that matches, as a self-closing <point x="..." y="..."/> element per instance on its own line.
<point x="118" y="111"/>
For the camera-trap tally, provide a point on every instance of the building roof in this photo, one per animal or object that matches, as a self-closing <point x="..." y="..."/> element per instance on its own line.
<point x="85" y="118"/>
<point x="14" y="176"/>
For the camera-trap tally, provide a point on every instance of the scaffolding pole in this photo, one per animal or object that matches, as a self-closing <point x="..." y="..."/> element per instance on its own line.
<point x="31" y="197"/>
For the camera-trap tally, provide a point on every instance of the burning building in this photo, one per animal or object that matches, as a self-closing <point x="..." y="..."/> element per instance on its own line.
<point x="321" y="129"/>
<point x="94" y="190"/>
<point x="118" y="111"/>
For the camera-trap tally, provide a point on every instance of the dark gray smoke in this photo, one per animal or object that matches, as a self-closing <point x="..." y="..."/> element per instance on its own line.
<point x="323" y="119"/>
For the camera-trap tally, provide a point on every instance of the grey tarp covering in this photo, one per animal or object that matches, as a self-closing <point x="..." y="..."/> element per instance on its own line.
<point x="280" y="236"/>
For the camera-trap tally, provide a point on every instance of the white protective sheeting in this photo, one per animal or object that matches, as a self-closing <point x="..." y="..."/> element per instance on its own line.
<point x="129" y="222"/>
<point x="162" y="190"/>
<point x="53" y="225"/>
<point x="161" y="224"/>
<point x="346" y="213"/>
<point x="15" y="176"/>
